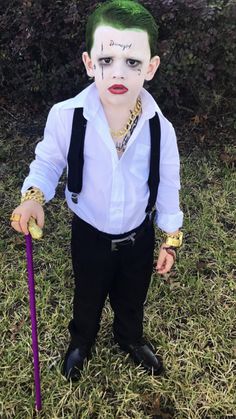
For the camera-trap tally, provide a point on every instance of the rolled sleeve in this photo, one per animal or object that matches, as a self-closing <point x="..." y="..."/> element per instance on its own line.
<point x="170" y="222"/>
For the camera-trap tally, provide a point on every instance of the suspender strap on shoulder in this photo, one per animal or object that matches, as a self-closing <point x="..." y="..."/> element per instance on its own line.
<point x="75" y="155"/>
<point x="154" y="174"/>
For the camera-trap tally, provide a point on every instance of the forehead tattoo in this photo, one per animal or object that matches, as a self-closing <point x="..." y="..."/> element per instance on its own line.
<point x="122" y="46"/>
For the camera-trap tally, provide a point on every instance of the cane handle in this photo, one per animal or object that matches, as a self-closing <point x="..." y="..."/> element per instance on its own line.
<point x="35" y="231"/>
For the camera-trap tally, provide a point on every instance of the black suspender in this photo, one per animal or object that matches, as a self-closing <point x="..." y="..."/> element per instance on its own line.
<point x="154" y="174"/>
<point x="76" y="157"/>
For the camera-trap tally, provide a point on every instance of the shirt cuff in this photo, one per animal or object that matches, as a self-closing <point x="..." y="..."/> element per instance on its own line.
<point x="169" y="222"/>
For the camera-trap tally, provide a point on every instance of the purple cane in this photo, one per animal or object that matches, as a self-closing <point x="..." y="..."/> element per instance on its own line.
<point x="30" y="269"/>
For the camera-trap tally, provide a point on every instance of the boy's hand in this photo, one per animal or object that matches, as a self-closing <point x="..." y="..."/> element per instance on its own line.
<point x="165" y="261"/>
<point x="27" y="210"/>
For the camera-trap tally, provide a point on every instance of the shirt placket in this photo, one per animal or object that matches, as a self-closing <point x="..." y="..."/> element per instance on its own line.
<point x="116" y="206"/>
<point x="116" y="210"/>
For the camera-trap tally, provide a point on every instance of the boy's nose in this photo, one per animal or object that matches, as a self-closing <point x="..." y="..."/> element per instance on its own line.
<point x="118" y="72"/>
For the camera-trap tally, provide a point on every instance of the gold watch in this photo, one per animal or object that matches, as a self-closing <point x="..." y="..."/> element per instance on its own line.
<point x="174" y="240"/>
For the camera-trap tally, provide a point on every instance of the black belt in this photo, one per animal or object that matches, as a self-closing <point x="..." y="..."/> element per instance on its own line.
<point x="127" y="239"/>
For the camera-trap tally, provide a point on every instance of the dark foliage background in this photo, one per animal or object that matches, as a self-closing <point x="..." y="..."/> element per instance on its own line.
<point x="42" y="42"/>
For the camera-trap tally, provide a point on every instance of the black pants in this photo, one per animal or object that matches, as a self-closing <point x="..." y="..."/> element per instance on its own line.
<point x="124" y="275"/>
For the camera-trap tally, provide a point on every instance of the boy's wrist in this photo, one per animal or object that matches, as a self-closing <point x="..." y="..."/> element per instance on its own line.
<point x="173" y="240"/>
<point x="34" y="194"/>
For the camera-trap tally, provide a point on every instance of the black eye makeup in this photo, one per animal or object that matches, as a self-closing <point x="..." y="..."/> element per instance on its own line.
<point x="133" y="63"/>
<point x="105" y="60"/>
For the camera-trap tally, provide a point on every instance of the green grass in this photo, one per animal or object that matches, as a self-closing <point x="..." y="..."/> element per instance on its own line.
<point x="189" y="314"/>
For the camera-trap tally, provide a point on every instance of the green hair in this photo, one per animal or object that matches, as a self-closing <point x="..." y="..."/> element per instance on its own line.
<point x="122" y="14"/>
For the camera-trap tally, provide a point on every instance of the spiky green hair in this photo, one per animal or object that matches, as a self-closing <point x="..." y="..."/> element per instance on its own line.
<point x="122" y="14"/>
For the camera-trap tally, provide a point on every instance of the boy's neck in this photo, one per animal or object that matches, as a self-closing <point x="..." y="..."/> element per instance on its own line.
<point x="117" y="116"/>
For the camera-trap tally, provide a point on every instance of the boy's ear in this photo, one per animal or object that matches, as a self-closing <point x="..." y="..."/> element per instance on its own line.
<point x="152" y="68"/>
<point x="88" y="64"/>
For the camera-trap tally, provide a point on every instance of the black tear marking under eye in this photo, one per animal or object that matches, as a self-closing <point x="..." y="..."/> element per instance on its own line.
<point x="94" y="67"/>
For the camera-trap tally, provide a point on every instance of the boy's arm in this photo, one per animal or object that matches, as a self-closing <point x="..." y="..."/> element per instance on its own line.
<point x="50" y="157"/>
<point x="169" y="216"/>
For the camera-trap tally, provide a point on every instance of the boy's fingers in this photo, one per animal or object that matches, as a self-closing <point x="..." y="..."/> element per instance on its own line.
<point x="40" y="219"/>
<point x="16" y="222"/>
<point x="166" y="266"/>
<point x="24" y="224"/>
<point x="169" y="262"/>
<point x="16" y="226"/>
<point x="160" y="261"/>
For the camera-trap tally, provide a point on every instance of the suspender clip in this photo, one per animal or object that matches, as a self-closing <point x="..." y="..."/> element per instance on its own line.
<point x="74" y="198"/>
<point x="151" y="215"/>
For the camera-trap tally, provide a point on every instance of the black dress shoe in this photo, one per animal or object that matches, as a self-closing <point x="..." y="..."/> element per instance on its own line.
<point x="143" y="354"/>
<point x="74" y="362"/>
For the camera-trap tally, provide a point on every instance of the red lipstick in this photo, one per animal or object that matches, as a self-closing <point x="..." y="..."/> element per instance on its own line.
<point x="118" y="89"/>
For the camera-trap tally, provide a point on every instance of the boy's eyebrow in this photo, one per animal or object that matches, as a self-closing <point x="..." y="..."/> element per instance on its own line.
<point x="104" y="56"/>
<point x="133" y="58"/>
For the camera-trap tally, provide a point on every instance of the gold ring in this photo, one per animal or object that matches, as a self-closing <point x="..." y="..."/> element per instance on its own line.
<point x="15" y="217"/>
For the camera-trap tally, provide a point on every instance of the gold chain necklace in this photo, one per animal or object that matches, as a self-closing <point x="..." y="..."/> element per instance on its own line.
<point x="133" y="114"/>
<point x="121" y="145"/>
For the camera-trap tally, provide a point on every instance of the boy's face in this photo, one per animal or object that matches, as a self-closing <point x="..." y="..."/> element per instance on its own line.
<point x="120" y="62"/>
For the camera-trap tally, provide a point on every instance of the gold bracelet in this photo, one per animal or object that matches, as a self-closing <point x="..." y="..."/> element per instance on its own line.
<point x="33" y="194"/>
<point x="174" y="240"/>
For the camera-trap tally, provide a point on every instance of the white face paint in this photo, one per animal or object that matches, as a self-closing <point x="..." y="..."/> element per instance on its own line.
<point x="120" y="62"/>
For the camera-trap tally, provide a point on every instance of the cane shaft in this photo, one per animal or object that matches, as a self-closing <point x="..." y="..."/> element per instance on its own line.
<point x="30" y="269"/>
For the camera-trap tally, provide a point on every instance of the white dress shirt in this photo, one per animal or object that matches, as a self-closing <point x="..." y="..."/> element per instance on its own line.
<point x="115" y="192"/>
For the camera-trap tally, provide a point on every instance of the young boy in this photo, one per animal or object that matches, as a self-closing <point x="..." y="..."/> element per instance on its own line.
<point x="127" y="166"/>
